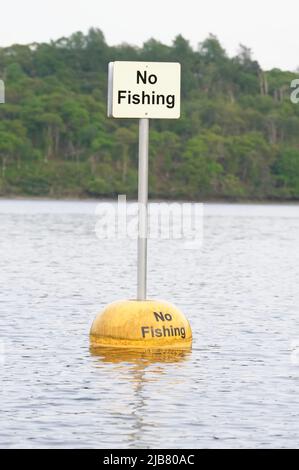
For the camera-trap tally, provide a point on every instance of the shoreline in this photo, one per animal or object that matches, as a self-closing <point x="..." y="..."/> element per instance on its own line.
<point x="292" y="202"/>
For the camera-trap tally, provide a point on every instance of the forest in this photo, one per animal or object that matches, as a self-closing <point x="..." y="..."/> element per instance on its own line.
<point x="237" y="138"/>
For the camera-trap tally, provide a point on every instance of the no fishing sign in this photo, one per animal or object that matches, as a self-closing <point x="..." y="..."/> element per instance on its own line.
<point x="144" y="90"/>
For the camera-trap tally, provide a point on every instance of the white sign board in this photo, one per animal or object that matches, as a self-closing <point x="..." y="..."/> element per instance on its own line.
<point x="144" y="90"/>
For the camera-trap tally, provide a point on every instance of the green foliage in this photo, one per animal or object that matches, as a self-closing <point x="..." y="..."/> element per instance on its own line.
<point x="237" y="137"/>
<point x="286" y="169"/>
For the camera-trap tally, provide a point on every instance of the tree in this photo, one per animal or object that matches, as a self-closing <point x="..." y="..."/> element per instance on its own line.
<point x="124" y="138"/>
<point x="286" y="169"/>
<point x="201" y="168"/>
<point x="10" y="146"/>
<point x="237" y="135"/>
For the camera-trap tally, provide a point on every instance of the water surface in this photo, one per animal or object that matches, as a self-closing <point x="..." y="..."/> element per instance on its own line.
<point x="238" y="387"/>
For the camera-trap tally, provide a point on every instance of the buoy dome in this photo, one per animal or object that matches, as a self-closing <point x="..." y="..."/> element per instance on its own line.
<point x="147" y="324"/>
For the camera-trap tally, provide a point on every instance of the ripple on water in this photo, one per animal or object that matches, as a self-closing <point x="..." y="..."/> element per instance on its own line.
<point x="238" y="387"/>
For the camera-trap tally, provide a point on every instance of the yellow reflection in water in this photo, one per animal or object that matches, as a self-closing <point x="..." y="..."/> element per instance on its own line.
<point x="137" y="356"/>
<point x="140" y="368"/>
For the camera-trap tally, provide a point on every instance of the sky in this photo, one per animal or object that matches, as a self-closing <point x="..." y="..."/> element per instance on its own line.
<point x="268" y="27"/>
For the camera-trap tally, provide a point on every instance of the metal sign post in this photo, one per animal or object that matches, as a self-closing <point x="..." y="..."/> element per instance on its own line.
<point x="142" y="208"/>
<point x="144" y="90"/>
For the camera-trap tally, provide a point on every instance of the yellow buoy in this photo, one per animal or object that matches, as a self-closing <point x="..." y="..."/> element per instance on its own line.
<point x="146" y="324"/>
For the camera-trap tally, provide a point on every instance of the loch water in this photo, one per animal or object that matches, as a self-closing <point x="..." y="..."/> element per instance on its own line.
<point x="238" y="386"/>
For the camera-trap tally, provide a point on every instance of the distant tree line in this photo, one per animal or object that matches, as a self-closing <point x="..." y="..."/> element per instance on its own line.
<point x="238" y="136"/>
